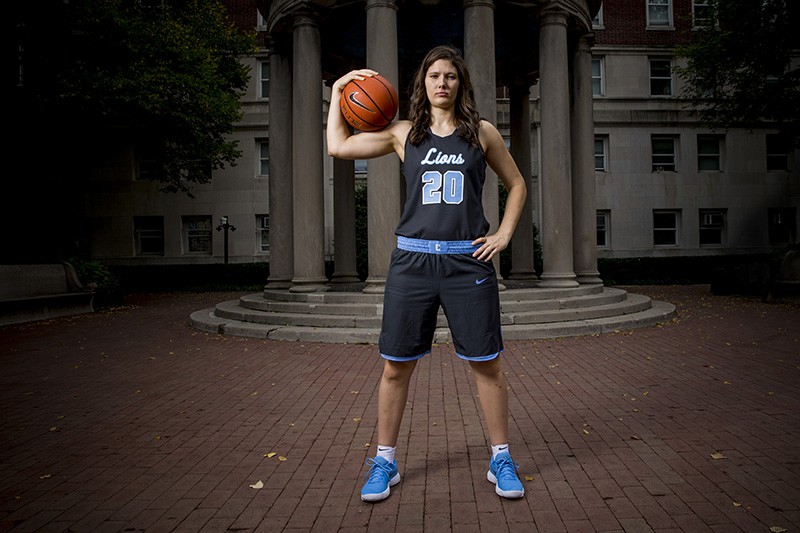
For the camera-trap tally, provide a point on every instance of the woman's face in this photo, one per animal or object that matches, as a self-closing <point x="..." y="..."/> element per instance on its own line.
<point x="441" y="84"/>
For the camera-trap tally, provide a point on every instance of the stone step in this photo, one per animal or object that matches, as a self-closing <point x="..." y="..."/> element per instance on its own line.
<point x="527" y="312"/>
<point x="511" y="301"/>
<point x="254" y="308"/>
<point x="206" y="320"/>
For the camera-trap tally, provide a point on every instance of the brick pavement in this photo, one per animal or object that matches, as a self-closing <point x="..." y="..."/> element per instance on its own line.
<point x="128" y="420"/>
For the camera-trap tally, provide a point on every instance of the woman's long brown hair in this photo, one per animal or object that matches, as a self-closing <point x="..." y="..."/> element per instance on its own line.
<point x="467" y="118"/>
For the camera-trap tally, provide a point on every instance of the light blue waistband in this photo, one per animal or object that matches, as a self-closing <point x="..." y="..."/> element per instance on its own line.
<point x="435" y="247"/>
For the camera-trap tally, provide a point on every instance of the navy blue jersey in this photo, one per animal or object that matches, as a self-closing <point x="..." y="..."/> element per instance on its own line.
<point x="444" y="188"/>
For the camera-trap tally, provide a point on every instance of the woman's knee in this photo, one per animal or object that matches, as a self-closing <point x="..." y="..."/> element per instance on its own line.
<point x="398" y="371"/>
<point x="491" y="368"/>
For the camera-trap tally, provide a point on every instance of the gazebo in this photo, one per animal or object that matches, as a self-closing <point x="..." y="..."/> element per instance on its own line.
<point x="516" y="45"/>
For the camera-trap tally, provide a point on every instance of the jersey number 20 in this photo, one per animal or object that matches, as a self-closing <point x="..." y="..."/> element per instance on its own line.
<point x="437" y="187"/>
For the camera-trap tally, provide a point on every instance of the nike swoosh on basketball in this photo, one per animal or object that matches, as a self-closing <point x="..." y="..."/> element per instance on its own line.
<point x="479" y="281"/>
<point x="352" y="98"/>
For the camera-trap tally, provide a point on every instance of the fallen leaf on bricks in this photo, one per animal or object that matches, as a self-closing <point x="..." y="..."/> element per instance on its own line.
<point x="635" y="410"/>
<point x="585" y="432"/>
<point x="282" y="458"/>
<point x="634" y="437"/>
<point x="53" y="428"/>
<point x="257" y="485"/>
<point x="270" y="455"/>
<point x="357" y="419"/>
<point x="46" y="476"/>
<point x="737" y="504"/>
<point x="718" y="455"/>
<point x="777" y="529"/>
<point x="528" y="478"/>
<point x="366" y="445"/>
<point x="353" y="392"/>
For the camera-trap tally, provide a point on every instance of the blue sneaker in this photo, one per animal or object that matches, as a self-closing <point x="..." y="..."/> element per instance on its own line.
<point x="503" y="473"/>
<point x="382" y="475"/>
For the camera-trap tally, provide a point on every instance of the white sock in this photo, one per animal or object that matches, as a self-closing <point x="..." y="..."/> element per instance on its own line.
<point x="495" y="449"/>
<point x="387" y="452"/>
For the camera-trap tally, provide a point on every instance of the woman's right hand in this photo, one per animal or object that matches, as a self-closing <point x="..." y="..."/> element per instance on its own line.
<point x="359" y="74"/>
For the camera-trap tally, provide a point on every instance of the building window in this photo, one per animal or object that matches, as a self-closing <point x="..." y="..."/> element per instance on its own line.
<point x="664" y="156"/>
<point x="361" y="166"/>
<point x="149" y="235"/>
<point x="659" y="13"/>
<point x="709" y="153"/>
<point x="601" y="153"/>
<point x="777" y="152"/>
<point x="701" y="12"/>
<point x="262" y="229"/>
<point x="261" y="22"/>
<point x="712" y="227"/>
<point x="782" y="225"/>
<point x="660" y="77"/>
<point x="263" y="159"/>
<point x="597" y="21"/>
<point x="197" y="235"/>
<point x="603" y="237"/>
<point x="665" y="228"/>
<point x="263" y="70"/>
<point x="598" y="77"/>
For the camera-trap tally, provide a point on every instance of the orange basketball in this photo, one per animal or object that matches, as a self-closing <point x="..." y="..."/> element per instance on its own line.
<point x="369" y="104"/>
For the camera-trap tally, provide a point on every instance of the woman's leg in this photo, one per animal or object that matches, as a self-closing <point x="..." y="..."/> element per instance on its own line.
<point x="493" y="392"/>
<point x="392" y="396"/>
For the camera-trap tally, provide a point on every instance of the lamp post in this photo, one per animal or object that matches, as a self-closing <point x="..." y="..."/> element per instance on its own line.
<point x="223" y="225"/>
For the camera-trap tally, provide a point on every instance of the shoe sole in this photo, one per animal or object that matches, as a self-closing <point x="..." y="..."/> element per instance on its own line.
<point x="378" y="496"/>
<point x="510" y="494"/>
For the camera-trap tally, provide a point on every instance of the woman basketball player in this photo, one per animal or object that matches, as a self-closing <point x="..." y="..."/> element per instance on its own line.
<point x="443" y="255"/>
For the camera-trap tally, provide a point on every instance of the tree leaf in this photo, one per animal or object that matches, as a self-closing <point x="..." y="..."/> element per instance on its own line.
<point x="270" y="455"/>
<point x="257" y="485"/>
<point x="718" y="455"/>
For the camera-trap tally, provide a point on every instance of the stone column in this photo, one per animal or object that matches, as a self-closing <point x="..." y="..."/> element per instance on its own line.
<point x="308" y="203"/>
<point x="584" y="210"/>
<point x="555" y="152"/>
<point x="281" y="239"/>
<point x="344" y="222"/>
<point x="383" y="174"/>
<point x="480" y="59"/>
<point x="522" y="266"/>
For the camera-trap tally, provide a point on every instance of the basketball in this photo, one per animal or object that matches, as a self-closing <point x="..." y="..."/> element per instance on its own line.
<point x="369" y="104"/>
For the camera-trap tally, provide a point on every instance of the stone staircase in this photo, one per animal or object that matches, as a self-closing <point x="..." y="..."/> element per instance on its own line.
<point x="347" y="315"/>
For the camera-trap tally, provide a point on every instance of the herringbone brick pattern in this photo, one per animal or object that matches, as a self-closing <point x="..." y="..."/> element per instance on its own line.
<point x="128" y="420"/>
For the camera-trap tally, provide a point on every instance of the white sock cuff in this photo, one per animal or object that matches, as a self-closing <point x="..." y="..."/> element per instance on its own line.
<point x="499" y="448"/>
<point x="387" y="452"/>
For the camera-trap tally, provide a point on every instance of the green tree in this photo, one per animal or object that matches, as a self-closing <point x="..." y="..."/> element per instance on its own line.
<point x="743" y="67"/>
<point x="163" y="75"/>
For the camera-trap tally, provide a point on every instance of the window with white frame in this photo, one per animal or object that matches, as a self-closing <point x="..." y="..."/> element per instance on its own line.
<point x="782" y="225"/>
<point x="777" y="152"/>
<point x="598" y="76"/>
<point x="659" y="13"/>
<point x="361" y="166"/>
<point x="149" y="235"/>
<point x="263" y="159"/>
<point x="712" y="227"/>
<point x="701" y="12"/>
<point x="262" y="233"/>
<point x="709" y="153"/>
<point x="597" y="21"/>
<point x="664" y="156"/>
<point x="263" y="78"/>
<point x="603" y="226"/>
<point x="197" y="235"/>
<point x="666" y="227"/>
<point x="660" y="76"/>
<point x="601" y="153"/>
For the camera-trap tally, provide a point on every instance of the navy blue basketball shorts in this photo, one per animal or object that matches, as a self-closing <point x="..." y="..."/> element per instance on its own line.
<point x="419" y="282"/>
